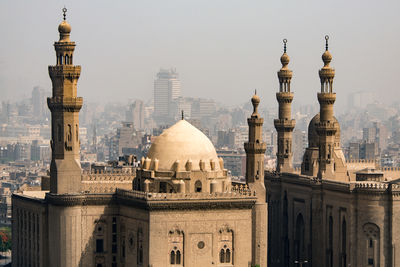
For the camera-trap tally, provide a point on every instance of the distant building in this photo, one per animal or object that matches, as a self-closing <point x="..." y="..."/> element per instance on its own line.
<point x="167" y="87"/>
<point x="362" y="150"/>
<point x="203" y="108"/>
<point x="360" y="99"/>
<point x="136" y="114"/>
<point x="38" y="102"/>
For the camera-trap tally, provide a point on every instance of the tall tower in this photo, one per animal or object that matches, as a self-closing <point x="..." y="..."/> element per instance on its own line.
<point x="326" y="128"/>
<point x="255" y="150"/>
<point x="65" y="168"/>
<point x="167" y="88"/>
<point x="284" y="125"/>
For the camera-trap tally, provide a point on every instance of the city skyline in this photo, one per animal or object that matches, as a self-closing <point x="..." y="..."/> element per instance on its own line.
<point x="220" y="49"/>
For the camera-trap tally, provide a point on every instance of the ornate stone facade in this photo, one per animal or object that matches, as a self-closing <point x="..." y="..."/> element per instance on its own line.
<point x="333" y="213"/>
<point x="178" y="209"/>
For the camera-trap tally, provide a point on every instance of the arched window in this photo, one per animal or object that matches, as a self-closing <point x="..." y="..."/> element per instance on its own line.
<point x="197" y="186"/>
<point x="175" y="257"/>
<point x="172" y="261"/>
<point x="285" y="230"/>
<point x="66" y="59"/>
<point x="178" y="257"/>
<point x="306" y="164"/>
<point x="329" y="252"/>
<point x="69" y="136"/>
<point x="329" y="151"/>
<point x="344" y="245"/>
<point x="299" y="242"/>
<point x="228" y="256"/>
<point x="176" y="243"/>
<point x="60" y="59"/>
<point x="140" y="246"/>
<point x="222" y="256"/>
<point x="372" y="237"/>
<point x="287" y="147"/>
<point x="59" y="132"/>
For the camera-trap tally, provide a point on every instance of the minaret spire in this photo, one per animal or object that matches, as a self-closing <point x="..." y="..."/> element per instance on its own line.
<point x="64" y="10"/>
<point x="326" y="128"/>
<point x="284" y="124"/>
<point x="65" y="168"/>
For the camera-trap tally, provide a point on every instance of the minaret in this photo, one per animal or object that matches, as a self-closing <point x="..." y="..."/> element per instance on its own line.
<point x="326" y="126"/>
<point x="284" y="125"/>
<point x="65" y="168"/>
<point x="255" y="150"/>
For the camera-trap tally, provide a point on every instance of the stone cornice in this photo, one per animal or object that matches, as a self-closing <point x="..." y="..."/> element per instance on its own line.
<point x="80" y="199"/>
<point x="201" y="204"/>
<point x="373" y="189"/>
<point x="143" y="200"/>
<point x="28" y="198"/>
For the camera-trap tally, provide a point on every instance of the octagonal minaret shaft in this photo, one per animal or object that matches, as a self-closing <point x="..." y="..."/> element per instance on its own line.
<point x="65" y="168"/>
<point x="284" y="125"/>
<point x="326" y="127"/>
<point x="255" y="150"/>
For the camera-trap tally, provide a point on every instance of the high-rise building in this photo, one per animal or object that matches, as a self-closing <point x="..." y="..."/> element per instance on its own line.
<point x="135" y="114"/>
<point x="167" y="87"/>
<point x="38" y="102"/>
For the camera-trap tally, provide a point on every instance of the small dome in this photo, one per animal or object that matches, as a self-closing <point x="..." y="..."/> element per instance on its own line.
<point x="255" y="99"/>
<point x="64" y="27"/>
<point x="181" y="143"/>
<point x="285" y="59"/>
<point x="327" y="57"/>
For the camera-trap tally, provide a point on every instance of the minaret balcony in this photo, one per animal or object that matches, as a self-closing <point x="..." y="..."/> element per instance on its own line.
<point x="71" y="104"/>
<point x="326" y="128"/>
<point x="326" y="98"/>
<point x="284" y="125"/>
<point x="65" y="71"/>
<point x="285" y="73"/>
<point x="327" y="73"/>
<point x="255" y="147"/>
<point x="284" y="97"/>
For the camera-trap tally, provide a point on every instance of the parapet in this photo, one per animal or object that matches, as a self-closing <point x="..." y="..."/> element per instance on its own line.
<point x="107" y="181"/>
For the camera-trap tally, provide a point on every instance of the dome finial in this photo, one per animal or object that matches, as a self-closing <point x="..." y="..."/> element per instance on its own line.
<point x="64" y="10"/>
<point x="284" y="45"/>
<point x="326" y="56"/>
<point x="284" y="58"/>
<point x="326" y="42"/>
<point x="255" y="100"/>
<point x="183" y="115"/>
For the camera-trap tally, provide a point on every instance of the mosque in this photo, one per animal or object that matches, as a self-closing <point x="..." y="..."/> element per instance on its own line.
<point x="181" y="208"/>
<point x="331" y="212"/>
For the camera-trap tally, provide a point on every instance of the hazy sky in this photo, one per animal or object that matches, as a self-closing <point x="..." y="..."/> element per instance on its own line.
<point x="222" y="49"/>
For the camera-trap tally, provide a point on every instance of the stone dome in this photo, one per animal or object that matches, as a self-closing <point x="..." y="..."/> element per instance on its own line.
<point x="64" y="27"/>
<point x="313" y="138"/>
<point x="181" y="143"/>
<point x="326" y="57"/>
<point x="285" y="59"/>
